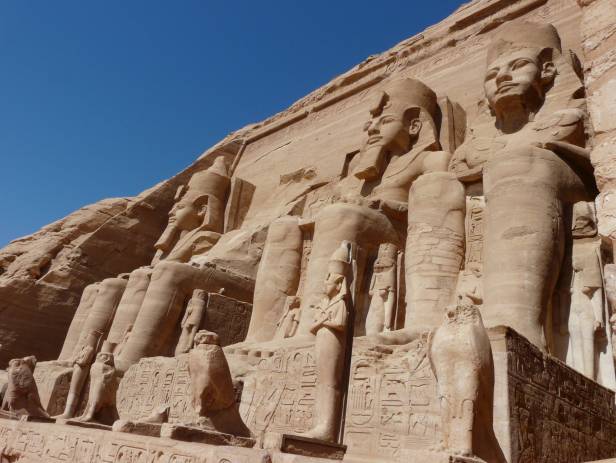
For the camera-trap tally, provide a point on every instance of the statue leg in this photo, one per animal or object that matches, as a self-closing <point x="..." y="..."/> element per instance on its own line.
<point x="170" y="286"/>
<point x="78" y="380"/>
<point x="524" y="237"/>
<point x="130" y="304"/>
<point x="159" y="313"/>
<point x="104" y="307"/>
<point x="335" y="223"/>
<point x="434" y="248"/>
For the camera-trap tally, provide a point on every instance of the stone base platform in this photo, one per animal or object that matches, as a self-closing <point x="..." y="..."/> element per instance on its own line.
<point x="299" y="445"/>
<point x="33" y="442"/>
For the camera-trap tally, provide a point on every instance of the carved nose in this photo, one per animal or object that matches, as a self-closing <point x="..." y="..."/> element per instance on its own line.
<point x="504" y="74"/>
<point x="373" y="129"/>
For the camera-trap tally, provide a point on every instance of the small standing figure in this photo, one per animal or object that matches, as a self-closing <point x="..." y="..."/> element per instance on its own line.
<point x="586" y="319"/>
<point x="288" y="323"/>
<point x="102" y="393"/>
<point x="21" y="396"/>
<point x="81" y="369"/>
<point x="382" y="291"/>
<point x="213" y="394"/>
<point x="191" y="321"/>
<point x="330" y="328"/>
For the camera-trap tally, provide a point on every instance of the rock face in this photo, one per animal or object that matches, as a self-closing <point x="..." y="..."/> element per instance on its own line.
<point x="427" y="242"/>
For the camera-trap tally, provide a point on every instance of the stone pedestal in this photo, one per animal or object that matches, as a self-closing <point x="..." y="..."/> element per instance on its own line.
<point x="312" y="447"/>
<point x="203" y="436"/>
<point x="542" y="407"/>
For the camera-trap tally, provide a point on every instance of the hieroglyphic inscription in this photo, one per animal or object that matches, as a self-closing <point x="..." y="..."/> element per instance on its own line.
<point x="392" y="402"/>
<point x="51" y="443"/>
<point x="228" y="318"/>
<point x="155" y="382"/>
<point x="279" y="395"/>
<point x="53" y="382"/>
<point x="475" y="208"/>
<point x="557" y="414"/>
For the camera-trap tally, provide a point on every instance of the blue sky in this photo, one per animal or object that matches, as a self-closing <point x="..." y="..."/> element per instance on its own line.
<point x="105" y="99"/>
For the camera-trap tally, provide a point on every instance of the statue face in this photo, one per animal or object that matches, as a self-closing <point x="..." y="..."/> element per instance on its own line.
<point x="515" y="76"/>
<point x="332" y="284"/>
<point x="390" y="130"/>
<point x="185" y="215"/>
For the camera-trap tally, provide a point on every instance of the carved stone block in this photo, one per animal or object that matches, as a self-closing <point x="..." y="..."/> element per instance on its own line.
<point x="203" y="436"/>
<point x="312" y="447"/>
<point x="53" y="382"/>
<point x="227" y="317"/>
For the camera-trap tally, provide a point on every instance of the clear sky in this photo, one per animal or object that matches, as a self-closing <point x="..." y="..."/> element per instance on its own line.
<point x="104" y="99"/>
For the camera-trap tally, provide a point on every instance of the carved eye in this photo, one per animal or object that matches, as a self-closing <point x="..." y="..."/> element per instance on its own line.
<point x="520" y="63"/>
<point x="387" y="120"/>
<point x="491" y="74"/>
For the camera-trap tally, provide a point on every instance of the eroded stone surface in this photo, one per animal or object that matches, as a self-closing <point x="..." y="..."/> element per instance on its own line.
<point x="350" y="253"/>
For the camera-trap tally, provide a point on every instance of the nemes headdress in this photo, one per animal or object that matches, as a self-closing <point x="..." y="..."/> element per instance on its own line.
<point x="523" y="34"/>
<point x="404" y="94"/>
<point x="212" y="181"/>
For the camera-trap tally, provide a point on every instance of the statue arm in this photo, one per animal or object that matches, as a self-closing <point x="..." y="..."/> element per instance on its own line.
<point x="338" y="321"/>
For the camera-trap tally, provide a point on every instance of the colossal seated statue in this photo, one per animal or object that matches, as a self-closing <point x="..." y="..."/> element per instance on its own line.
<point x="527" y="156"/>
<point x="113" y="308"/>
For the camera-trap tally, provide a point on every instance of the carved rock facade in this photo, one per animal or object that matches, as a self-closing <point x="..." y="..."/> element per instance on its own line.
<point x="415" y="262"/>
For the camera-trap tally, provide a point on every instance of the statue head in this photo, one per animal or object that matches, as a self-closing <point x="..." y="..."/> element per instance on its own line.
<point x="396" y="120"/>
<point x="18" y="363"/>
<point x="520" y="67"/>
<point x="206" y="337"/>
<point x="462" y="313"/>
<point x="338" y="269"/>
<point x="194" y="200"/>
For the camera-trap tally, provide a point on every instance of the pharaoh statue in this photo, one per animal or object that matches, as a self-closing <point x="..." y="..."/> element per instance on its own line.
<point x="191" y="321"/>
<point x="330" y="327"/>
<point x="136" y="314"/>
<point x="401" y="145"/>
<point x="527" y="155"/>
<point x="195" y="225"/>
<point x="382" y="291"/>
<point x="586" y="316"/>
<point x="146" y="304"/>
